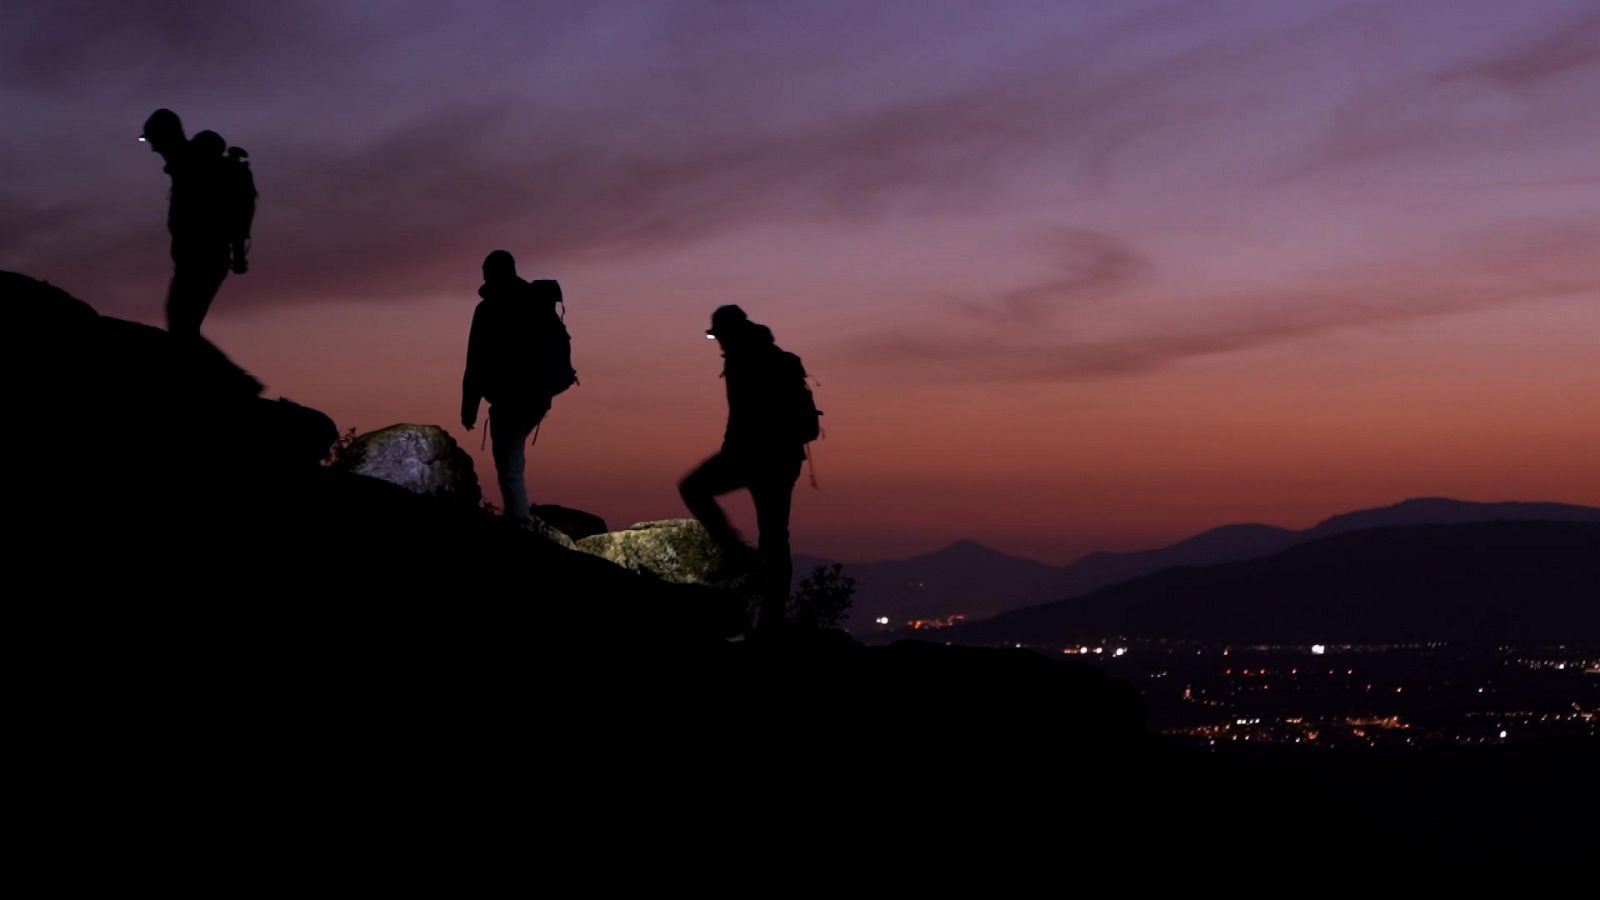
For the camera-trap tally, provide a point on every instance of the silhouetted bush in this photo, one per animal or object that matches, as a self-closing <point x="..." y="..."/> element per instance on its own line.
<point x="341" y="447"/>
<point x="822" y="599"/>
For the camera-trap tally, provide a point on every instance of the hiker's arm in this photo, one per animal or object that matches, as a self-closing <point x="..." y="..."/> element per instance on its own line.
<point x="471" y="390"/>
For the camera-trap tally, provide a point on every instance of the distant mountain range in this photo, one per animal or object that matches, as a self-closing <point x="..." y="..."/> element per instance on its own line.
<point x="1486" y="582"/>
<point x="965" y="578"/>
<point x="969" y="579"/>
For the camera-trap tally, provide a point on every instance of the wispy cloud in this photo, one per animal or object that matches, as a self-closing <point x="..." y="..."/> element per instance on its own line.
<point x="456" y="134"/>
<point x="1524" y="268"/>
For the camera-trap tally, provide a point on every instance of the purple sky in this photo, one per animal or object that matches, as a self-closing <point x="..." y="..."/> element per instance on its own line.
<point x="1074" y="276"/>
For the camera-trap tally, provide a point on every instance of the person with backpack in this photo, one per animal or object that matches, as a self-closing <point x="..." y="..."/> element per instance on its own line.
<point x="212" y="205"/>
<point x="771" y="419"/>
<point x="519" y="357"/>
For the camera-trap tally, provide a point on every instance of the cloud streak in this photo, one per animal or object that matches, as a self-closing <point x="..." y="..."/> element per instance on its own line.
<point x="1490" y="275"/>
<point x="394" y="200"/>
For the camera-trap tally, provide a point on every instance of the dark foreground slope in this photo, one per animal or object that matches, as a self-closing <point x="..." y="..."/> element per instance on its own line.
<point x="1484" y="583"/>
<point x="232" y="665"/>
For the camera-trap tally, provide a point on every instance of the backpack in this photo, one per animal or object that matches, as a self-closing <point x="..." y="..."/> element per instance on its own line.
<point x="552" y="349"/>
<point x="229" y="187"/>
<point x="238" y="190"/>
<point x="801" y="418"/>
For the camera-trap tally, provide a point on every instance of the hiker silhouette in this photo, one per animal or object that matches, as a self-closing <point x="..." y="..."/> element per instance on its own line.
<point x="209" y="216"/>
<point x="770" y="420"/>
<point x="519" y="356"/>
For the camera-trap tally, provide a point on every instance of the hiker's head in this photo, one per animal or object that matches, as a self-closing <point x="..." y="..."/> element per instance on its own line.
<point x="499" y="266"/>
<point x="163" y="131"/>
<point x="728" y="325"/>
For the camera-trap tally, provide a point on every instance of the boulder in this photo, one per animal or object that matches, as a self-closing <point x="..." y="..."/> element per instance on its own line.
<point x="548" y="532"/>
<point x="574" y="523"/>
<point x="295" y="434"/>
<point x="423" y="459"/>
<point x="679" y="551"/>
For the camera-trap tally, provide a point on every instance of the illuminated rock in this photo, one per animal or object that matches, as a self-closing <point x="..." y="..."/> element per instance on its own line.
<point x="680" y="551"/>
<point x="422" y="459"/>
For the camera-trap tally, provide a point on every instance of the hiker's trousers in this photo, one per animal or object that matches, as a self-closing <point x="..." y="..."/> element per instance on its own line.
<point x="771" y="486"/>
<point x="198" y="268"/>
<point x="509" y="428"/>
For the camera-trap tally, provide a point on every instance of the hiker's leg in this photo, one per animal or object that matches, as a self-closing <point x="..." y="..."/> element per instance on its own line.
<point x="700" y="488"/>
<point x="508" y="432"/>
<point x="197" y="275"/>
<point x="527" y="424"/>
<point x="773" y="493"/>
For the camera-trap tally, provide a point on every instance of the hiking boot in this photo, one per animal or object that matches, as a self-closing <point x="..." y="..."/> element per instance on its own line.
<point x="735" y="561"/>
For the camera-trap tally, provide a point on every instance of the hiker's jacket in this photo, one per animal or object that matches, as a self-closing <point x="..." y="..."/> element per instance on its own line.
<point x="501" y="350"/>
<point x="761" y="379"/>
<point x="198" y="209"/>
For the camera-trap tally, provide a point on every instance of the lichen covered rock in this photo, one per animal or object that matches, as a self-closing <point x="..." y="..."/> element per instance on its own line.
<point x="680" y="551"/>
<point x="423" y="459"/>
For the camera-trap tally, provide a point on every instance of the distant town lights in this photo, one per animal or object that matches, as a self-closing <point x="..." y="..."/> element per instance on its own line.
<point x="883" y="620"/>
<point x="1318" y="649"/>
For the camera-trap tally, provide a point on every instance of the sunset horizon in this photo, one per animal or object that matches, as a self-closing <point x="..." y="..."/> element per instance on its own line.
<point x="1151" y="440"/>
<point x="1071" y="279"/>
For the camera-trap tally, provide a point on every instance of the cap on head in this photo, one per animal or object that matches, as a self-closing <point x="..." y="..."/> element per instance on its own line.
<point x="499" y="264"/>
<point x="727" y="319"/>
<point x="163" y="128"/>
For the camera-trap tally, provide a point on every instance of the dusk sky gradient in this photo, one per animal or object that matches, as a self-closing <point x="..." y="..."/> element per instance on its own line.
<point x="1073" y="275"/>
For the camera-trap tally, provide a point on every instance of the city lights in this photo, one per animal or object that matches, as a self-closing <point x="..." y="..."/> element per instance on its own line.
<point x="1398" y="695"/>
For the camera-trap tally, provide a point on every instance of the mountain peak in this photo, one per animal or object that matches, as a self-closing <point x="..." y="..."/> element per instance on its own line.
<point x="1443" y="510"/>
<point x="966" y="545"/>
<point x="965" y="549"/>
